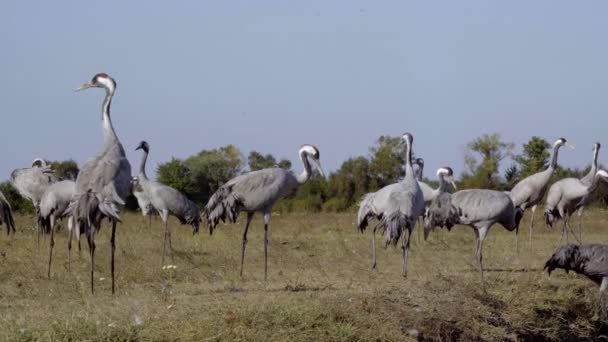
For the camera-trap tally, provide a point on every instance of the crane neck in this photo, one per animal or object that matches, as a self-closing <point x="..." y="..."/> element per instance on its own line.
<point x="443" y="185"/>
<point x="108" y="129"/>
<point x="142" y="165"/>
<point x="305" y="175"/>
<point x="553" y="164"/>
<point x="420" y="172"/>
<point x="409" y="170"/>
<point x="594" y="184"/>
<point x="594" y="164"/>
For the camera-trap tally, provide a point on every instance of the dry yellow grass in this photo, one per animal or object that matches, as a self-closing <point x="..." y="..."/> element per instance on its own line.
<point x="320" y="286"/>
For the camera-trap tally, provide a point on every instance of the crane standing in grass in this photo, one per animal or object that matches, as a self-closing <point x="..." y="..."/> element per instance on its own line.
<point x="397" y="207"/>
<point x="529" y="192"/>
<point x="6" y="215"/>
<point x="53" y="206"/>
<point x="587" y="180"/>
<point x="257" y="191"/>
<point x="564" y="198"/>
<point x="31" y="183"/>
<point x="104" y="182"/>
<point x="478" y="208"/>
<point x="167" y="201"/>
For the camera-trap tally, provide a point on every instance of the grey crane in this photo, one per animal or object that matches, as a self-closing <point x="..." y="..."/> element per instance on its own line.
<point x="53" y="206"/>
<point x="6" y="215"/>
<point x="104" y="182"/>
<point x="397" y="206"/>
<point x="143" y="201"/>
<point x="31" y="183"/>
<point x="529" y="192"/>
<point x="167" y="201"/>
<point x="586" y="259"/>
<point x="588" y="179"/>
<point x="419" y="172"/>
<point x="478" y="208"/>
<point x="565" y="196"/>
<point x="257" y="191"/>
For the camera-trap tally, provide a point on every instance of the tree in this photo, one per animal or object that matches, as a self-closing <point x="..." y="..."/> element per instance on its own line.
<point x="67" y="169"/>
<point x="484" y="174"/>
<point x="285" y="164"/>
<point x="534" y="158"/>
<point x="18" y="204"/>
<point x="175" y="174"/>
<point x="257" y="161"/>
<point x="210" y="169"/>
<point x="347" y="186"/>
<point x="387" y="159"/>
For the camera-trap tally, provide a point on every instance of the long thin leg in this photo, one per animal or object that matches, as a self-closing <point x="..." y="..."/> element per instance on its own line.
<point x="580" y="225"/>
<point x="374" y="246"/>
<point x="164" y="217"/>
<point x="51" y="244"/>
<point x="149" y="221"/>
<point x="482" y="235"/>
<point x="266" y="220"/>
<point x="570" y="229"/>
<point x="91" y="240"/>
<point x="405" y="250"/>
<point x="249" y="218"/>
<point x="532" y="224"/>
<point x="113" y="248"/>
<point x="70" y="233"/>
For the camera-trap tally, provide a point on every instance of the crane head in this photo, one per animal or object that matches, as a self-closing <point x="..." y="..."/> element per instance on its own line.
<point x="597" y="146"/>
<point x="562" y="142"/>
<point x="143" y="145"/>
<point x="419" y="162"/>
<point x="448" y="175"/>
<point x="312" y="154"/>
<point x="408" y="137"/>
<point x="101" y="80"/>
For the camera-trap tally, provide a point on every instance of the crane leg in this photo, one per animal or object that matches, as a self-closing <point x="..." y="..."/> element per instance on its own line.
<point x="249" y="218"/>
<point x="374" y="246"/>
<point x="51" y="245"/>
<point x="149" y="221"/>
<point x="580" y="224"/>
<point x="113" y="249"/>
<point x="570" y="229"/>
<point x="480" y="237"/>
<point x="266" y="220"/>
<point x="70" y="243"/>
<point x="532" y="224"/>
<point x="91" y="240"/>
<point x="164" y="243"/>
<point x="405" y="249"/>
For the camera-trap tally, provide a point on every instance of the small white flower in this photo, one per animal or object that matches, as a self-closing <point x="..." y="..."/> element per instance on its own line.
<point x="112" y="325"/>
<point x="102" y="279"/>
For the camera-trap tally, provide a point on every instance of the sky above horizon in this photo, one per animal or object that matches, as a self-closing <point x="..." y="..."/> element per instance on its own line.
<point x="273" y="75"/>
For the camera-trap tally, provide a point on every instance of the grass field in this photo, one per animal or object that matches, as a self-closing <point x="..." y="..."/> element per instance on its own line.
<point x="320" y="286"/>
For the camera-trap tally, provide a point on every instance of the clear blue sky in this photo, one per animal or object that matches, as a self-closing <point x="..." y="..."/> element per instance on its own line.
<point x="272" y="75"/>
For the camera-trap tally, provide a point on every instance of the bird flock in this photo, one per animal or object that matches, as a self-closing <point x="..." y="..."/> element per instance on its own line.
<point x="105" y="181"/>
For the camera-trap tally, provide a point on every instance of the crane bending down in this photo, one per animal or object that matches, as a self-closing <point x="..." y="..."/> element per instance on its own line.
<point x="142" y="200"/>
<point x="6" y="215"/>
<point x="565" y="197"/>
<point x="31" y="183"/>
<point x="104" y="182"/>
<point x="167" y="201"/>
<point x="53" y="206"/>
<point x="397" y="207"/>
<point x="529" y="192"/>
<point x="585" y="259"/>
<point x="477" y="208"/>
<point x="257" y="191"/>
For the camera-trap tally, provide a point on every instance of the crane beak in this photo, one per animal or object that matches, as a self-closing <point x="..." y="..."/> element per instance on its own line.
<point x="138" y="148"/>
<point x="570" y="145"/>
<point x="317" y="166"/>
<point x="84" y="86"/>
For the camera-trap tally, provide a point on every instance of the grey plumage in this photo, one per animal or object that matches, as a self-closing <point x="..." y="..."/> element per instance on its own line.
<point x="166" y="200"/>
<point x="31" y="183"/>
<point x="54" y="206"/>
<point x="397" y="207"/>
<point x="104" y="181"/>
<point x="477" y="208"/>
<point x="590" y="260"/>
<point x="142" y="200"/>
<point x="565" y="197"/>
<point x="6" y="215"/>
<point x="529" y="192"/>
<point x="257" y="191"/>
<point x="587" y="180"/>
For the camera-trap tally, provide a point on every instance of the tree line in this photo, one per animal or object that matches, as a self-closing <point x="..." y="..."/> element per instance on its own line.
<point x="200" y="175"/>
